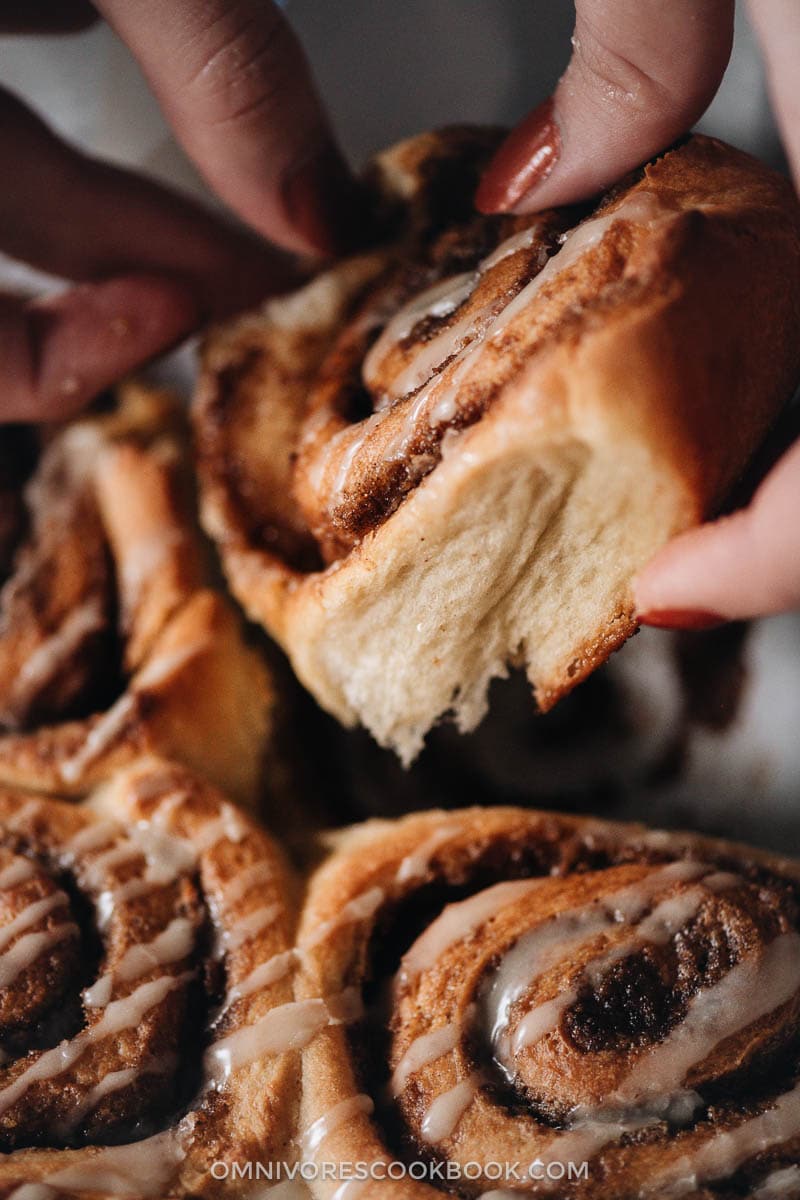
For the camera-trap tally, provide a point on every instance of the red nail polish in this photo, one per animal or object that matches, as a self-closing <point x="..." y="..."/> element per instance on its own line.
<point x="681" y="618"/>
<point x="526" y="157"/>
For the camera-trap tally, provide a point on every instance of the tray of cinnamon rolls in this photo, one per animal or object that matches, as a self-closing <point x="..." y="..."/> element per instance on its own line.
<point x="227" y="633"/>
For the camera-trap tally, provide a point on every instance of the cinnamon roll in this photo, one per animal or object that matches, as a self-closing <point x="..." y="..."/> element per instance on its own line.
<point x="147" y="1022"/>
<point x="554" y="1006"/>
<point x="455" y="452"/>
<point x="111" y="643"/>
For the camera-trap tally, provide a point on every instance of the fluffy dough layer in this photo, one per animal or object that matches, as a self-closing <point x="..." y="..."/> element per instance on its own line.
<point x="405" y="545"/>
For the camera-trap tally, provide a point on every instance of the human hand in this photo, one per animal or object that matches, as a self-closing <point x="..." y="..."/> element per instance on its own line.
<point x="151" y="265"/>
<point x="642" y="72"/>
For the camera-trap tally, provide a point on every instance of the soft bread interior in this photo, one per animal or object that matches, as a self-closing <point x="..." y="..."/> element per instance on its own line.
<point x="523" y="542"/>
<point x="487" y="479"/>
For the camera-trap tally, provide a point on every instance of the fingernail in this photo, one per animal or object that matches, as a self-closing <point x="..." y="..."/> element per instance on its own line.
<point x="323" y="202"/>
<point x="526" y="157"/>
<point x="681" y="618"/>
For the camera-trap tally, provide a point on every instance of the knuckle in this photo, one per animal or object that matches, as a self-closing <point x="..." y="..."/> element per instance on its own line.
<point x="618" y="79"/>
<point x="245" y="65"/>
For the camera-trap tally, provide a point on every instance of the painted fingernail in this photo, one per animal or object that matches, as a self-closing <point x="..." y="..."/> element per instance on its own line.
<point x="681" y="618"/>
<point x="526" y="157"/>
<point x="323" y="202"/>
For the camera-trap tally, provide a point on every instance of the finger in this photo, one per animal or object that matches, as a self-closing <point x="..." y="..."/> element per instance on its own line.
<point x="235" y="86"/>
<point x="777" y="24"/>
<point x="46" y="16"/>
<point x="82" y="219"/>
<point x="745" y="565"/>
<point x="641" y="73"/>
<point x="58" y="353"/>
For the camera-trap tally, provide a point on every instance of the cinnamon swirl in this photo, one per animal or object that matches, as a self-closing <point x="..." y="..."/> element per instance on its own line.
<point x="556" y="1007"/>
<point x="146" y="1012"/>
<point x="455" y="453"/>
<point x="111" y="643"/>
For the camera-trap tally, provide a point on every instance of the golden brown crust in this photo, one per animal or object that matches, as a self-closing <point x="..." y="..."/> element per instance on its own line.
<point x="560" y="990"/>
<point x="111" y="644"/>
<point x="612" y="402"/>
<point x="191" y="901"/>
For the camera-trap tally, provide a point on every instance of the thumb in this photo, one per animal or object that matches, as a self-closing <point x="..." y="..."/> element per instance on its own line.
<point x="641" y="73"/>
<point x="61" y="351"/>
<point x="745" y="565"/>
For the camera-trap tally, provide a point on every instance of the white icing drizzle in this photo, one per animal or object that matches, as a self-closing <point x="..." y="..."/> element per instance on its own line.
<point x="313" y="1137"/>
<point x="250" y="926"/>
<point x="458" y="922"/>
<point x="96" y="869"/>
<point x="666" y="919"/>
<point x="441" y="300"/>
<point x="227" y="826"/>
<point x="143" y="557"/>
<point x="143" y="1169"/>
<point x="583" y="1142"/>
<point x="119" y="1015"/>
<point x="360" y="908"/>
<point x="643" y="207"/>
<point x="460" y="344"/>
<point x="166" y="853"/>
<point x="286" y="1027"/>
<point x="757" y="985"/>
<point x="266" y="973"/>
<point x="720" y="881"/>
<point x="110" y="899"/>
<point x="728" y="1150"/>
<point x="251" y="877"/>
<point x="114" y="1081"/>
<point x="27" y="812"/>
<point x="512" y="245"/>
<point x="168" y="805"/>
<point x="52" y="653"/>
<point x="29" y="915"/>
<point x="29" y="948"/>
<point x="782" y="1184"/>
<point x="167" y="857"/>
<point x="548" y="943"/>
<point x="171" y="945"/>
<point x="92" y="837"/>
<point x="101" y="736"/>
<point x="17" y="872"/>
<point x="445" y="1112"/>
<point x="422" y="1051"/>
<point x="415" y="865"/>
<point x="98" y="739"/>
<point x="161" y="666"/>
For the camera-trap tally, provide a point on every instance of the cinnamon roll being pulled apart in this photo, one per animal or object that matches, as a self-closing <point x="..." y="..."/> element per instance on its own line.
<point x="111" y="644"/>
<point x="454" y="453"/>
<point x="147" y="1022"/>
<point x="605" y="1012"/>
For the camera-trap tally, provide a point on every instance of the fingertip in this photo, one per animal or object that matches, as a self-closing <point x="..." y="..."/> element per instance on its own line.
<point x="685" y="619"/>
<point x="89" y="337"/>
<point x="323" y="205"/>
<point x="525" y="159"/>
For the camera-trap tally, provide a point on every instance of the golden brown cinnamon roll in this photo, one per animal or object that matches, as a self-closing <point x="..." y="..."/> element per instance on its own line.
<point x="146" y="1010"/>
<point x="111" y="643"/>
<point x="456" y="452"/>
<point x="555" y="1007"/>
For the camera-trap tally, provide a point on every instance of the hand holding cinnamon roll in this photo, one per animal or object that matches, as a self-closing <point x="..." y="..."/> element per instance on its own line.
<point x="455" y="453"/>
<point x="607" y="1012"/>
